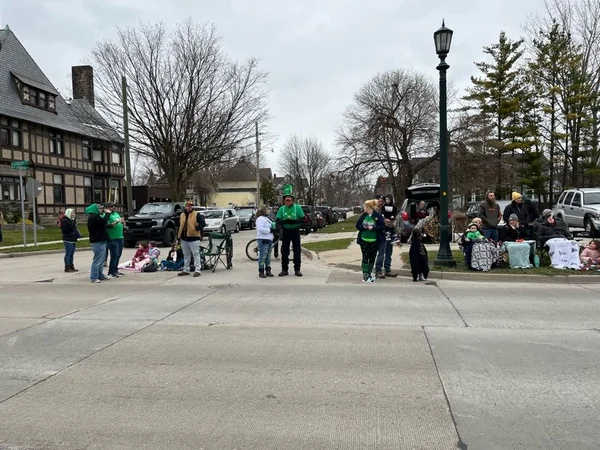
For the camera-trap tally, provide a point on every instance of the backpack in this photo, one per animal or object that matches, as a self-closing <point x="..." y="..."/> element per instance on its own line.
<point x="150" y="267"/>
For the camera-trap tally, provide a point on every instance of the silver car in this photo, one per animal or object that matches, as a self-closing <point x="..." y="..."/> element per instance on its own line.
<point x="221" y="220"/>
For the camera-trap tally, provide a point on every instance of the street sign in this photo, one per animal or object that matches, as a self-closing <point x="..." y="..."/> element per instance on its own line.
<point x="20" y="165"/>
<point x="33" y="188"/>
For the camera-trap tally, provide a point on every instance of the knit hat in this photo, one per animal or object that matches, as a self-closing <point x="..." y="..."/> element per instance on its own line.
<point x="516" y="196"/>
<point x="546" y="213"/>
<point x="513" y="217"/>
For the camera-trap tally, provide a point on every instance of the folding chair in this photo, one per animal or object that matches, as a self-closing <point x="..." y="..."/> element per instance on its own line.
<point x="219" y="245"/>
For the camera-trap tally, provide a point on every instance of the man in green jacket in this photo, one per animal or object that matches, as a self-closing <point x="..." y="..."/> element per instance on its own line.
<point x="290" y="216"/>
<point x="114" y="227"/>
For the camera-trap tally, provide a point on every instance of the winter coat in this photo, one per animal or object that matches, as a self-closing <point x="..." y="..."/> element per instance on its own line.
<point x="379" y="227"/>
<point x="97" y="224"/>
<point x="557" y="230"/>
<point x="510" y="234"/>
<point x="419" y="261"/>
<point x="68" y="229"/>
<point x="518" y="209"/>
<point x="588" y="255"/>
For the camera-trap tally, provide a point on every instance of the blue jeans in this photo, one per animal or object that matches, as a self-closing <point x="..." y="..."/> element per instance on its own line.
<point x="264" y="254"/>
<point x="115" y="248"/>
<point x="99" y="251"/>
<point x="490" y="233"/>
<point x="384" y="257"/>
<point x="191" y="250"/>
<point x="69" y="252"/>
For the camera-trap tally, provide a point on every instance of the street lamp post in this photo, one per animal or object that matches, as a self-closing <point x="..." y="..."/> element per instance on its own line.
<point x="443" y="39"/>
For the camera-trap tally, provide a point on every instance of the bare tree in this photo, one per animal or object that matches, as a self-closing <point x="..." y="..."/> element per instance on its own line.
<point x="306" y="162"/>
<point x="189" y="105"/>
<point x="393" y="120"/>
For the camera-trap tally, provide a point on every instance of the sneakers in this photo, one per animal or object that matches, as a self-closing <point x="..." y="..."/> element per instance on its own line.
<point x="95" y="281"/>
<point x="371" y="279"/>
<point x="380" y="275"/>
<point x="110" y="277"/>
<point x="391" y="274"/>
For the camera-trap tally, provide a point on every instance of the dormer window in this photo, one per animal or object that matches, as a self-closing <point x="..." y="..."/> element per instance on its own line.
<point x="36" y="94"/>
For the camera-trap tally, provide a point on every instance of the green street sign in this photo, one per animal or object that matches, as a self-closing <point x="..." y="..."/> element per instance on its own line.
<point x="21" y="165"/>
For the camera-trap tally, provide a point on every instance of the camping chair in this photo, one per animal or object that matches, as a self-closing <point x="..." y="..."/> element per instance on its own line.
<point x="219" y="245"/>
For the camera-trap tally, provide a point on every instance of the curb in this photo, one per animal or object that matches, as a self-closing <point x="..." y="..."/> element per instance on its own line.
<point x="493" y="277"/>
<point x="41" y="252"/>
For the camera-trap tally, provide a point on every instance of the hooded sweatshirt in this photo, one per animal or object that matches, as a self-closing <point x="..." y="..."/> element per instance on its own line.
<point x="490" y="216"/>
<point x="68" y="227"/>
<point x="96" y="224"/>
<point x="389" y="210"/>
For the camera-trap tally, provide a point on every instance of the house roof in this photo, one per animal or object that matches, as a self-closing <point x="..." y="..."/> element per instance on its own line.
<point x="78" y="117"/>
<point x="246" y="171"/>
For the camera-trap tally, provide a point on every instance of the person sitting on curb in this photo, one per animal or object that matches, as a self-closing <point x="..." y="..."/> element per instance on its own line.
<point x="513" y="231"/>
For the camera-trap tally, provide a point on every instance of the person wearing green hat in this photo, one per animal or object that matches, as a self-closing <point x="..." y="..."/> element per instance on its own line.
<point x="114" y="245"/>
<point x="290" y="216"/>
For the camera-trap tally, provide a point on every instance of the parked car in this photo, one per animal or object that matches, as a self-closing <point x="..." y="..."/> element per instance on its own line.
<point x="320" y="220"/>
<point x="327" y="213"/>
<point x="156" y="221"/>
<point x="222" y="220"/>
<point x="310" y="220"/>
<point x="474" y="210"/>
<point x="427" y="192"/>
<point x="341" y="212"/>
<point x="580" y="208"/>
<point x="247" y="218"/>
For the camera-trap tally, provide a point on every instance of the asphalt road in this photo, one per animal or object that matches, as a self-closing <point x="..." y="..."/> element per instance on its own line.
<point x="231" y="361"/>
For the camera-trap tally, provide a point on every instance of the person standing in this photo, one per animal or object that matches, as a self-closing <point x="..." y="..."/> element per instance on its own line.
<point x="61" y="214"/>
<point x="490" y="215"/>
<point x="70" y="235"/>
<point x="1" y="223"/>
<point x="97" y="220"/>
<point x="264" y="237"/>
<point x="191" y="224"/>
<point x="290" y="216"/>
<point x="517" y="207"/>
<point x="419" y="261"/>
<point x="370" y="226"/>
<point x="384" y="253"/>
<point x="115" y="241"/>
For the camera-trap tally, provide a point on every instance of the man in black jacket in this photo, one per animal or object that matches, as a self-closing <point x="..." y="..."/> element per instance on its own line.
<point x="384" y="253"/>
<point x="516" y="207"/>
<point x="97" y="220"/>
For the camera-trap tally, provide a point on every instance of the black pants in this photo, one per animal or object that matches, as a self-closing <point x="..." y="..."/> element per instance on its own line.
<point x="369" y="253"/>
<point x="293" y="237"/>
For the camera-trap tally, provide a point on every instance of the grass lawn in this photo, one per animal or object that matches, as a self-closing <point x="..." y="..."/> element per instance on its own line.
<point x="51" y="233"/>
<point x="333" y="244"/>
<point x="31" y="248"/>
<point x="461" y="267"/>
<point x="347" y="225"/>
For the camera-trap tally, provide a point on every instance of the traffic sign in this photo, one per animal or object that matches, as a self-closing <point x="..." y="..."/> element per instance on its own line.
<point x="33" y="188"/>
<point x="20" y="165"/>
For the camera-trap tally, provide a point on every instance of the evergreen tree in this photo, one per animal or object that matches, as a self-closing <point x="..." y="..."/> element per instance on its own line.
<point x="499" y="95"/>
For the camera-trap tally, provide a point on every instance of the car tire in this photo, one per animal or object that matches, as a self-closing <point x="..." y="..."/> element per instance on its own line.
<point x="169" y="237"/>
<point x="588" y="225"/>
<point x="237" y="228"/>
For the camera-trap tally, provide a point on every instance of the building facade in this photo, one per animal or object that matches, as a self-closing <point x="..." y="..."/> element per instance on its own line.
<point x="237" y="186"/>
<point x="70" y="149"/>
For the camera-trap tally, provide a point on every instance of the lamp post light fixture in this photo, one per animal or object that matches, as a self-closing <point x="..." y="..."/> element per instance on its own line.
<point x="443" y="39"/>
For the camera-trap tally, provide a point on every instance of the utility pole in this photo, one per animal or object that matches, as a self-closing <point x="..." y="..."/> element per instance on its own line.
<point x="127" y="158"/>
<point x="257" y="167"/>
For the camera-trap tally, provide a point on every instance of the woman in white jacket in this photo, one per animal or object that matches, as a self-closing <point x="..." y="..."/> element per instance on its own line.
<point x="264" y="237"/>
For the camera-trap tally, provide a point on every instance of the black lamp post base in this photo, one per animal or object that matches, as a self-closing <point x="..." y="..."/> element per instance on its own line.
<point x="444" y="261"/>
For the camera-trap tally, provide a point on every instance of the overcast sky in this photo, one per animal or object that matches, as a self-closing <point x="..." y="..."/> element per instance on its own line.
<point x="317" y="53"/>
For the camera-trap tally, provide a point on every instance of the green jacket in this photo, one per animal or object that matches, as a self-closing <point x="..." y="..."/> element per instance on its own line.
<point x="115" y="231"/>
<point x="291" y="217"/>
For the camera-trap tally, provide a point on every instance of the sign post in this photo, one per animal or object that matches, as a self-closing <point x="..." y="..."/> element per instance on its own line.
<point x="21" y="166"/>
<point x="34" y="189"/>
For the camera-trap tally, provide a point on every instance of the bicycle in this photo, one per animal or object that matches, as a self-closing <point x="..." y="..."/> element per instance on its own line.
<point x="252" y="249"/>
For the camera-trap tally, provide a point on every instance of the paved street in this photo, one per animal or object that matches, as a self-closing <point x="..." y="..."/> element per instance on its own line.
<point x="230" y="361"/>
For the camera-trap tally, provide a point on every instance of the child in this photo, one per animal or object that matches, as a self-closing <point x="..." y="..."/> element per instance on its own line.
<point x="473" y="233"/>
<point x="591" y="253"/>
<point x="153" y="251"/>
<point x="419" y="264"/>
<point x="264" y="237"/>
<point x="137" y="258"/>
<point x="174" y="259"/>
<point x="370" y="226"/>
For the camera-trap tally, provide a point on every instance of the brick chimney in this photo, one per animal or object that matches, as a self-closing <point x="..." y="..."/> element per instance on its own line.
<point x="83" y="83"/>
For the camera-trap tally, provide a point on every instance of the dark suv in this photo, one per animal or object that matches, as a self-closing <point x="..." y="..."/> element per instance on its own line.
<point x="157" y="221"/>
<point x="426" y="192"/>
<point x="311" y="222"/>
<point x="327" y="213"/>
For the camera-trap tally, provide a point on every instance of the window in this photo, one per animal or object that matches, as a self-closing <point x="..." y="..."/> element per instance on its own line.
<point x="568" y="198"/>
<point x="59" y="188"/>
<point x="88" y="192"/>
<point x="33" y="94"/>
<point x="10" y="189"/>
<point x="576" y="200"/>
<point x="98" y="190"/>
<point x="87" y="150"/>
<point x="10" y="133"/>
<point x="56" y="143"/>
<point x="97" y="154"/>
<point x="115" y="191"/>
<point x="115" y="157"/>
<point x="43" y="100"/>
